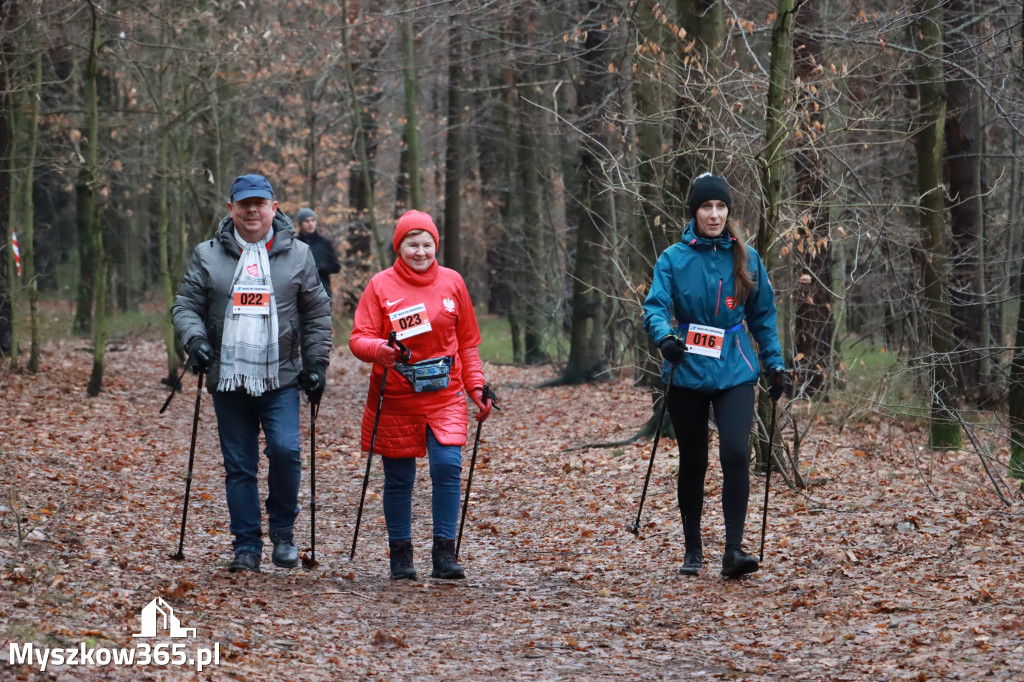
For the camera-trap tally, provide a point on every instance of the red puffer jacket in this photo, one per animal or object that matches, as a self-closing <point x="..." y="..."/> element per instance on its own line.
<point x="453" y="332"/>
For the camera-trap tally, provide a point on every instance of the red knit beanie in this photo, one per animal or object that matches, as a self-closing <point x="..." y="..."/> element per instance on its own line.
<point x="414" y="220"/>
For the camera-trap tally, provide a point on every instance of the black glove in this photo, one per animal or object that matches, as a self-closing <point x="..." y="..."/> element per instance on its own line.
<point x="200" y="355"/>
<point x="672" y="349"/>
<point x="778" y="383"/>
<point x="313" y="381"/>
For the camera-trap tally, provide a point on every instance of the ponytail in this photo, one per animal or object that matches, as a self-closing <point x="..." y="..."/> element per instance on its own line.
<point x="743" y="283"/>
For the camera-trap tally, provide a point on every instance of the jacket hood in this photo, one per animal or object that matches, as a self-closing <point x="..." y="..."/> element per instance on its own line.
<point x="692" y="238"/>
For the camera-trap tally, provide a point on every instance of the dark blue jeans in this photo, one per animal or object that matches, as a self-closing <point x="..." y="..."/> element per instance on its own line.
<point x="239" y="418"/>
<point x="446" y="480"/>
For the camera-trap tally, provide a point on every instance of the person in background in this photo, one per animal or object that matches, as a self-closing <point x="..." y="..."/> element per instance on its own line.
<point x="323" y="250"/>
<point x="424" y="407"/>
<point x="257" y="322"/>
<point x="705" y="287"/>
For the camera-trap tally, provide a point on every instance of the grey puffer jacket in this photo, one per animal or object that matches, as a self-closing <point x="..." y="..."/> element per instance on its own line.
<point x="303" y="307"/>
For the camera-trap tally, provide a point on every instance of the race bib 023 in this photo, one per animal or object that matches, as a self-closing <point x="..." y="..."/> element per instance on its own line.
<point x="410" y="321"/>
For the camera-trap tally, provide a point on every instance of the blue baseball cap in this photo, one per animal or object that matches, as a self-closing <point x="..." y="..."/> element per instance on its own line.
<point x="246" y="186"/>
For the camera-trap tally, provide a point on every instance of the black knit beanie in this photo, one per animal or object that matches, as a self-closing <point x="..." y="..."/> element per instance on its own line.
<point x="705" y="188"/>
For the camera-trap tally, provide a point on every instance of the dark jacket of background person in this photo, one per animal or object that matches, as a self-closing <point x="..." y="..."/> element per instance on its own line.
<point x="324" y="255"/>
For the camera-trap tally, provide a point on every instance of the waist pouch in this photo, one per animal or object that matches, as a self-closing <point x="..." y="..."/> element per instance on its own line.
<point x="428" y="375"/>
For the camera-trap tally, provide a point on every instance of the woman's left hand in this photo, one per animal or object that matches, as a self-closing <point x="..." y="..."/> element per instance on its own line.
<point x="482" y="401"/>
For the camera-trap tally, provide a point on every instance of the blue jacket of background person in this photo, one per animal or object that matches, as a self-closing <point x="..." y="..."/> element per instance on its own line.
<point x="693" y="284"/>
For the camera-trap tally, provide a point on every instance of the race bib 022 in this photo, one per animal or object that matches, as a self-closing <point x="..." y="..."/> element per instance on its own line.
<point x="250" y="299"/>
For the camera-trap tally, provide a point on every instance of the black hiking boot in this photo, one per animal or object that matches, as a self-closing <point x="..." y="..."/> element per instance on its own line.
<point x="245" y="560"/>
<point x="693" y="561"/>
<point x="736" y="562"/>
<point x="443" y="556"/>
<point x="401" y="560"/>
<point x="286" y="554"/>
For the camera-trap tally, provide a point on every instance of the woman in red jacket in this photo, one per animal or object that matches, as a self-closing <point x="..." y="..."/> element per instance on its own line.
<point x="429" y="308"/>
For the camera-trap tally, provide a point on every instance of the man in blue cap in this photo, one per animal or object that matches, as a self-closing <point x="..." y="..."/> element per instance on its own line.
<point x="257" y="322"/>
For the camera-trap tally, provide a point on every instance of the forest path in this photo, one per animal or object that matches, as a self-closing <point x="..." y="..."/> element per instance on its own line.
<point x="866" y="576"/>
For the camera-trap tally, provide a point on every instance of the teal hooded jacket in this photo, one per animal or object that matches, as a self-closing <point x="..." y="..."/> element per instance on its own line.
<point x="693" y="284"/>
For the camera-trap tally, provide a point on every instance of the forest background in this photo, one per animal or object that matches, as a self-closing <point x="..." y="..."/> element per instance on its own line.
<point x="874" y="149"/>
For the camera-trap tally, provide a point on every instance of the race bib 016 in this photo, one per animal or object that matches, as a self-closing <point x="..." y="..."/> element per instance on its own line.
<point x="410" y="321"/>
<point x="702" y="340"/>
<point x="250" y="299"/>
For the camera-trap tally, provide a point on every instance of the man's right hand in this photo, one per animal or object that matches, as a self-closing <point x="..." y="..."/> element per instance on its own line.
<point x="200" y="355"/>
<point x="672" y="349"/>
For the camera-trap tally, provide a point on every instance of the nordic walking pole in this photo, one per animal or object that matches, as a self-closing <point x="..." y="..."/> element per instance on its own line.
<point x="373" y="439"/>
<point x="469" y="484"/>
<point x="313" y="409"/>
<point x="488" y="393"/>
<point x="175" y="385"/>
<point x="191" y="459"/>
<point x="767" y="481"/>
<point x="635" y="529"/>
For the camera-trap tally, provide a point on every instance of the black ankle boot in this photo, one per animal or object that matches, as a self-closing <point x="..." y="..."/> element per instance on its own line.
<point x="286" y="554"/>
<point x="693" y="561"/>
<point x="443" y="556"/>
<point x="401" y="560"/>
<point x="736" y="562"/>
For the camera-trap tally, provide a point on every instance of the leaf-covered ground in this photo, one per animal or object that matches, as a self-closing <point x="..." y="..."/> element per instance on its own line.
<point x="867" y="576"/>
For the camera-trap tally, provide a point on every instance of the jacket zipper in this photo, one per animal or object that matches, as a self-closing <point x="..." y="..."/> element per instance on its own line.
<point x="718" y="303"/>
<point x="742" y="354"/>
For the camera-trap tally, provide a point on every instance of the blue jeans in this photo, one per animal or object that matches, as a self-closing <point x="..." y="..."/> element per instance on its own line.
<point x="239" y="417"/>
<point x="446" y="483"/>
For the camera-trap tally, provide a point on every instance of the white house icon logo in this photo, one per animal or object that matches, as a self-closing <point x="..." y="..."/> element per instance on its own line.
<point x="157" y="614"/>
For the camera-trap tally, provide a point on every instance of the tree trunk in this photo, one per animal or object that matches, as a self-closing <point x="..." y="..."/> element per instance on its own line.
<point x="28" y="251"/>
<point x="93" y="229"/>
<point x="814" y="321"/>
<point x="772" y="167"/>
<point x="1015" y="398"/>
<point x="362" y="153"/>
<point x="163" y="241"/>
<point x="412" y="140"/>
<point x="587" y="358"/>
<point x="16" y="179"/>
<point x="455" y="150"/>
<point x="8" y="20"/>
<point x="929" y="139"/>
<point x="700" y="59"/>
<point x="963" y="169"/>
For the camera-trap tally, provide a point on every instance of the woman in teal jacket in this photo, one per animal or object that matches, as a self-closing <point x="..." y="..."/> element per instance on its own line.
<point x="705" y="287"/>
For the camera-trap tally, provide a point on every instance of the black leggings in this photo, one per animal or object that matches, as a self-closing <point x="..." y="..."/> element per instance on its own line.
<point x="734" y="414"/>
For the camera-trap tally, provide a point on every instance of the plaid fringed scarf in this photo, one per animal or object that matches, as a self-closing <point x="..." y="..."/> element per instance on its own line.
<point x="249" y="351"/>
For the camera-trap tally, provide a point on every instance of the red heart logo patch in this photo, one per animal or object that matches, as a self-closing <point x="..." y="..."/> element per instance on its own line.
<point x="730" y="302"/>
<point x="254" y="270"/>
